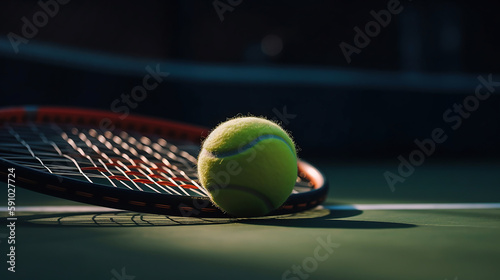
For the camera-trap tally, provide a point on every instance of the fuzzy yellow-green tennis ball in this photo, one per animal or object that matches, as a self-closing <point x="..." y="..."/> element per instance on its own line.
<point x="248" y="165"/>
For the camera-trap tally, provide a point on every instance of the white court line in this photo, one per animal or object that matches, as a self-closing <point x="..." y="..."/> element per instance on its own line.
<point x="411" y="206"/>
<point x="414" y="206"/>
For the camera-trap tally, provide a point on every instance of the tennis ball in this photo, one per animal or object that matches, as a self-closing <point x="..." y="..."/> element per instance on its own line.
<point x="248" y="165"/>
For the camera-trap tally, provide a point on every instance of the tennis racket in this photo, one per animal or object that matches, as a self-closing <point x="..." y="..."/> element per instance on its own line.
<point x="133" y="163"/>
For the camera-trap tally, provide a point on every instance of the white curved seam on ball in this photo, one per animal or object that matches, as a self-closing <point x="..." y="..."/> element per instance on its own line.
<point x="250" y="145"/>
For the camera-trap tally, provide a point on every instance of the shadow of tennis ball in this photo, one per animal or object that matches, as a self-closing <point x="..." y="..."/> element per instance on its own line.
<point x="323" y="218"/>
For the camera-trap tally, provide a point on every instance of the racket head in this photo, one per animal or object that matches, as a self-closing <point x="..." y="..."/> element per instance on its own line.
<point x="133" y="163"/>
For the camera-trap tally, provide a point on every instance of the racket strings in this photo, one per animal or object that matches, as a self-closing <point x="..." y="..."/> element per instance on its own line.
<point x="27" y="146"/>
<point x="135" y="161"/>
<point x="122" y="159"/>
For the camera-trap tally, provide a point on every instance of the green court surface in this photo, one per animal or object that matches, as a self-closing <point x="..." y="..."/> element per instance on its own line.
<point x="325" y="243"/>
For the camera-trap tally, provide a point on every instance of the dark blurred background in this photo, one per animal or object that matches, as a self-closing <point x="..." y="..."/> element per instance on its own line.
<point x="265" y="58"/>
